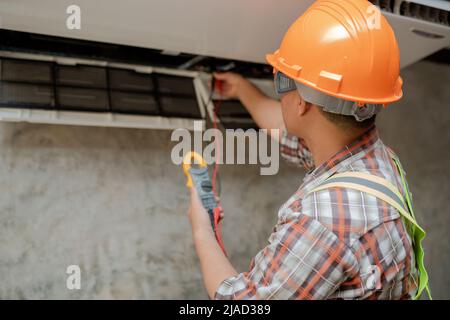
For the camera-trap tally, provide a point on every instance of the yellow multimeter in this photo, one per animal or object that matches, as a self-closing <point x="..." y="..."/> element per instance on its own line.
<point x="198" y="177"/>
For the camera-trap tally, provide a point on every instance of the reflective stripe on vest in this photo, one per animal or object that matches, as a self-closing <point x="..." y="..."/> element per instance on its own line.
<point x="386" y="191"/>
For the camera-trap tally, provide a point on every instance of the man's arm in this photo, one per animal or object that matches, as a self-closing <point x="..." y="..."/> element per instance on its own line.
<point x="265" y="111"/>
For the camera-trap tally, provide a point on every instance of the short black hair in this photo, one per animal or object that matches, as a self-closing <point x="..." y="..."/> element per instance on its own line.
<point x="348" y="122"/>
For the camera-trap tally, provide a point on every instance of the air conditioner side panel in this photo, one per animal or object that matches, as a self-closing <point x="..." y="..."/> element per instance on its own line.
<point x="414" y="47"/>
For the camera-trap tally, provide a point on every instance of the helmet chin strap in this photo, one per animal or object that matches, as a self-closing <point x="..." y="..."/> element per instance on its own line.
<point x="337" y="105"/>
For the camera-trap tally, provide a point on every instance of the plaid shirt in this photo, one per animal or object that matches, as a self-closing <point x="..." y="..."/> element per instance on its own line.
<point x="336" y="243"/>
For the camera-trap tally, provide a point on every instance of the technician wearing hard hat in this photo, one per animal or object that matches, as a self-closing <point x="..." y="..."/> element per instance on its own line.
<point x="349" y="231"/>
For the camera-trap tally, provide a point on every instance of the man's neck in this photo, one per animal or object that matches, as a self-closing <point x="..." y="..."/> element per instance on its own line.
<point x="327" y="142"/>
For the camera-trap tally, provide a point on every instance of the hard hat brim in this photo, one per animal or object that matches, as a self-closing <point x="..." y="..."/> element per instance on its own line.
<point x="294" y="72"/>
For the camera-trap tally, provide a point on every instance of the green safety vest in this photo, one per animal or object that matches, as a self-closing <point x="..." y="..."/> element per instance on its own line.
<point x="386" y="191"/>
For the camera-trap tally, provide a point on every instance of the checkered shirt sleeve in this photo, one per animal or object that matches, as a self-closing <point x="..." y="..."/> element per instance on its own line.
<point x="294" y="152"/>
<point x="304" y="260"/>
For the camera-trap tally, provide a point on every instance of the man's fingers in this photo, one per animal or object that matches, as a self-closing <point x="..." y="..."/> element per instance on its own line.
<point x="221" y="75"/>
<point x="191" y="192"/>
<point x="226" y="87"/>
<point x="194" y="197"/>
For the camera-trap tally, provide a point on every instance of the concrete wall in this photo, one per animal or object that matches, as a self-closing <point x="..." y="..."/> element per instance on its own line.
<point x="111" y="201"/>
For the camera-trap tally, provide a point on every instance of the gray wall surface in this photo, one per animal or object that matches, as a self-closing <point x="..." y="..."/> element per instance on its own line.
<point x="112" y="202"/>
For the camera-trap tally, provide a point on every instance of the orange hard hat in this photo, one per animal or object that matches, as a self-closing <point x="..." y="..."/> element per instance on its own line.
<point x="345" y="49"/>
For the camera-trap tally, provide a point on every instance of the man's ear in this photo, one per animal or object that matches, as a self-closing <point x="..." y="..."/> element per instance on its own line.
<point x="303" y="107"/>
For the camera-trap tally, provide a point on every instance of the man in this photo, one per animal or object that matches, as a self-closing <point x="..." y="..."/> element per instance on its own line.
<point x="335" y="70"/>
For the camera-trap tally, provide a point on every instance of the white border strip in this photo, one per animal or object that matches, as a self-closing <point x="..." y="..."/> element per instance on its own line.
<point x="95" y="119"/>
<point x="98" y="63"/>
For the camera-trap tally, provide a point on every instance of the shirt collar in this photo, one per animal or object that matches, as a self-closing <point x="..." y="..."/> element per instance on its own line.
<point x="363" y="143"/>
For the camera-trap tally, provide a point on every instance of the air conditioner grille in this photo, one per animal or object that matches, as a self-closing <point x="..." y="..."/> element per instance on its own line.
<point x="423" y="12"/>
<point x="416" y="11"/>
<point x="233" y="115"/>
<point x="51" y="86"/>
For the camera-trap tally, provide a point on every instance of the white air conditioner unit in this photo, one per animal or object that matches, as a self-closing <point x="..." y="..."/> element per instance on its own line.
<point x="161" y="40"/>
<point x="232" y="29"/>
<point x="422" y="27"/>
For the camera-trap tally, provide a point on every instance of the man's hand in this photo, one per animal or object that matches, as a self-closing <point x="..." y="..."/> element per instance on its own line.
<point x="198" y="216"/>
<point x="197" y="213"/>
<point x="231" y="84"/>
<point x="264" y="110"/>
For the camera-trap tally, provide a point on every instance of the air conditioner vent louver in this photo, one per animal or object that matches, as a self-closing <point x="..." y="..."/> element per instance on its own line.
<point x="385" y="5"/>
<point x="416" y="11"/>
<point x="423" y="12"/>
<point x="51" y="86"/>
<point x="233" y="115"/>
